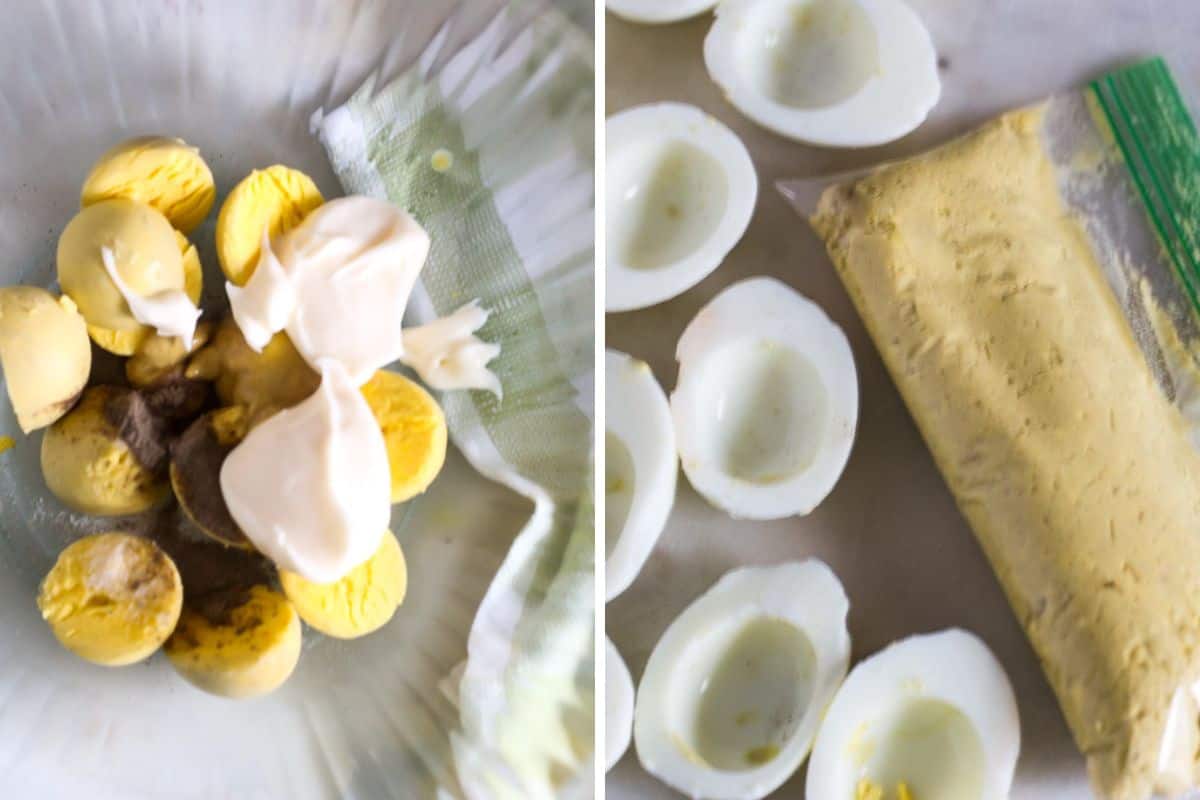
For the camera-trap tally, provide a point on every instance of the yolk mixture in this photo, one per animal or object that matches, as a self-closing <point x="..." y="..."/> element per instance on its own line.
<point x="988" y="305"/>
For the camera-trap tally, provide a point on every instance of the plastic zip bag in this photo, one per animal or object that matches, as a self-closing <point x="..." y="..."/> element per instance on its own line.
<point x="1126" y="161"/>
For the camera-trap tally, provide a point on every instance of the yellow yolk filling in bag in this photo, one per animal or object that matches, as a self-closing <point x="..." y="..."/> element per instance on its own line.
<point x="988" y="304"/>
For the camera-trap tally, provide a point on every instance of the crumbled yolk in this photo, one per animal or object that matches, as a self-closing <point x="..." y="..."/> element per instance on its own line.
<point x="6" y="443"/>
<point x="869" y="790"/>
<point x="442" y="160"/>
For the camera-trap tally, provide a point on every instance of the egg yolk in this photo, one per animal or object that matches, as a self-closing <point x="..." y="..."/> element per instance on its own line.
<point x="869" y="790"/>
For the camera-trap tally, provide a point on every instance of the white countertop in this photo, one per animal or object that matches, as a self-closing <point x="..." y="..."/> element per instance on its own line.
<point x="890" y="529"/>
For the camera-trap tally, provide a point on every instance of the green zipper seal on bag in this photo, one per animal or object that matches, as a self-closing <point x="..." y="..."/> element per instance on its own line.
<point x="1161" y="148"/>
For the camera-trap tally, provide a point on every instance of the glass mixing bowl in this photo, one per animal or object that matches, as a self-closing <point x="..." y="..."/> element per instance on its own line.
<point x="362" y="718"/>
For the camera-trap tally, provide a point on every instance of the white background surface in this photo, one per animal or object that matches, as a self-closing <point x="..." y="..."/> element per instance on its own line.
<point x="890" y="529"/>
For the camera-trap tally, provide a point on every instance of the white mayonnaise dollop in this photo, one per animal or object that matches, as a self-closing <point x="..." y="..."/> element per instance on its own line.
<point x="170" y="312"/>
<point x="339" y="283"/>
<point x="310" y="486"/>
<point x="447" y="356"/>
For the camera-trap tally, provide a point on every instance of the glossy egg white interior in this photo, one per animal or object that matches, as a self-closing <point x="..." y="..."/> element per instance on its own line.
<point x="934" y="713"/>
<point x="808" y="54"/>
<point x="618" y="705"/>
<point x="767" y="401"/>
<point x="839" y="73"/>
<point x="756" y="674"/>
<point x="657" y="12"/>
<point x="640" y="468"/>
<point x="770" y="409"/>
<point x="667" y="199"/>
<point x="680" y="192"/>
<point x="733" y="692"/>
<point x="931" y="747"/>
<point x="620" y="478"/>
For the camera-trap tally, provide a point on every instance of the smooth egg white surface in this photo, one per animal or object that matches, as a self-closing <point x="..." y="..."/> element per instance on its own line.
<point x="680" y="192"/>
<point x="766" y="405"/>
<point x="618" y="706"/>
<point x="732" y="695"/>
<point x="657" y="12"/>
<point x="640" y="468"/>
<point x="840" y="73"/>
<point x="935" y="713"/>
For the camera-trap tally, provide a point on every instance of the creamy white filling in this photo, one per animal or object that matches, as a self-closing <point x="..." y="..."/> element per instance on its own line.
<point x="447" y="355"/>
<point x="310" y="486"/>
<point x="170" y="312"/>
<point x="265" y="305"/>
<point x="339" y="284"/>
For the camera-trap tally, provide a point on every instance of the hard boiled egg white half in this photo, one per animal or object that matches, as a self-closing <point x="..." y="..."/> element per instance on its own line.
<point x="680" y="192"/>
<point x="767" y="401"/>
<point x="657" y="12"/>
<point x="640" y="468"/>
<point x="733" y="692"/>
<point x="931" y="717"/>
<point x="842" y="73"/>
<point x="618" y="706"/>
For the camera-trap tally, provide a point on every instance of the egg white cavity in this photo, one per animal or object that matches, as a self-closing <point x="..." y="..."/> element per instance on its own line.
<point x="935" y="713"/>
<point x="734" y="691"/>
<point x="932" y="748"/>
<point x="620" y="477"/>
<point x="843" y="73"/>
<point x="618" y="706"/>
<point x="771" y="407"/>
<point x="808" y="55"/>
<point x="672" y="195"/>
<point x="640" y="468"/>
<point x="767" y="401"/>
<point x="681" y="191"/>
<point x="656" y="12"/>
<point x="766" y="665"/>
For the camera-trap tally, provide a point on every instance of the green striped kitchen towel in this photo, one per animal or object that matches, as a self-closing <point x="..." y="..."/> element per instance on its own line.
<point x="490" y="147"/>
